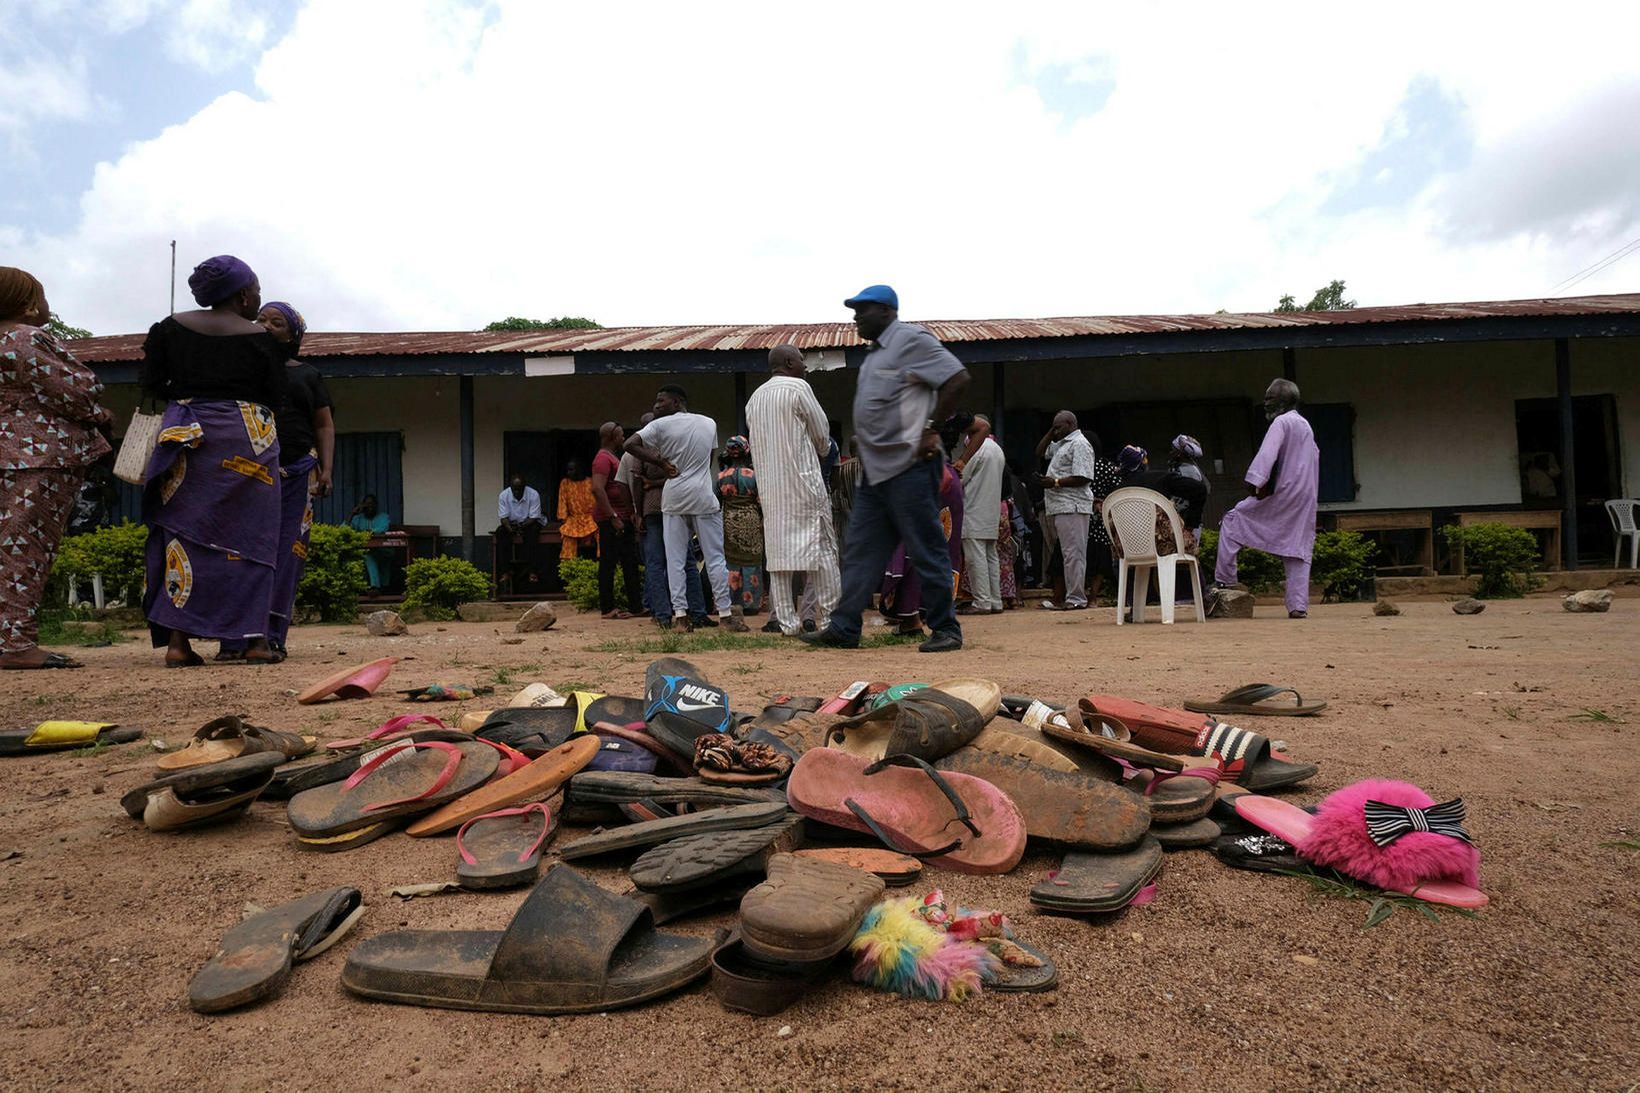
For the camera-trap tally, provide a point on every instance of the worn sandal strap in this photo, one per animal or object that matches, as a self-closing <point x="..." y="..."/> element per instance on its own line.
<point x="1210" y="775"/>
<point x="895" y="840"/>
<point x="1258" y="692"/>
<point x="439" y="783"/>
<point x="388" y="728"/>
<point x="935" y="776"/>
<point x="524" y="855"/>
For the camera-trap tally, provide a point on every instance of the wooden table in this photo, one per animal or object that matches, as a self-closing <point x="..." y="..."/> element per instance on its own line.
<point x="1419" y="520"/>
<point x="1531" y="519"/>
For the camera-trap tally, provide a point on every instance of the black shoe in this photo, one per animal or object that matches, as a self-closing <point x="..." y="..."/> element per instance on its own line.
<point x="771" y="627"/>
<point x="808" y="626"/>
<point x="831" y="638"/>
<point x="703" y="620"/>
<point x="941" y="642"/>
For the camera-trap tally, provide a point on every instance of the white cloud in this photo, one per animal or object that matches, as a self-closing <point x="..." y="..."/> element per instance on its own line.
<point x="416" y="164"/>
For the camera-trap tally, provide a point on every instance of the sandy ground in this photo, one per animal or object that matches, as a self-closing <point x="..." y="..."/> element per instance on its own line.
<point x="1229" y="980"/>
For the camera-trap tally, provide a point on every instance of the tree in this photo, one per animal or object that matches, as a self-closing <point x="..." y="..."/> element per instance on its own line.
<point x="1330" y="298"/>
<point x="63" y="331"/>
<point x="566" y="322"/>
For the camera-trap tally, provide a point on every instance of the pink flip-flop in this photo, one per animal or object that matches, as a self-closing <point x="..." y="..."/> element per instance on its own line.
<point x="357" y="682"/>
<point x="1299" y="828"/>
<point x="393" y="726"/>
<point x="502" y="849"/>
<point x="957" y="821"/>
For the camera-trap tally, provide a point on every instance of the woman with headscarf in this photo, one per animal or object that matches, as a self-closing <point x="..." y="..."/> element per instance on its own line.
<point x="577" y="513"/>
<point x="307" y="446"/>
<point x="213" y="497"/>
<point x="1186" y="486"/>
<point x="51" y="428"/>
<point x="742" y="525"/>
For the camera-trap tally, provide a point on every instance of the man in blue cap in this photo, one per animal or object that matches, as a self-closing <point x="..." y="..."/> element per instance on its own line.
<point x="908" y="384"/>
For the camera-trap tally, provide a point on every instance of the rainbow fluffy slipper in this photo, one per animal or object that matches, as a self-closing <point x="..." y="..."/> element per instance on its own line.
<point x="915" y="947"/>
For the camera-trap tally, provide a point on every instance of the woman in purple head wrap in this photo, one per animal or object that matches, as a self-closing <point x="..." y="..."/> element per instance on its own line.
<point x="51" y="432"/>
<point x="212" y="497"/>
<point x="307" y="444"/>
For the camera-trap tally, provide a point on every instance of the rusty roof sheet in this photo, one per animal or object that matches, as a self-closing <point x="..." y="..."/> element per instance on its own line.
<point x="319" y="344"/>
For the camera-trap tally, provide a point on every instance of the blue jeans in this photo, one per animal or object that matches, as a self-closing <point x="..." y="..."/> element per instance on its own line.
<point x="657" y="597"/>
<point x="905" y="509"/>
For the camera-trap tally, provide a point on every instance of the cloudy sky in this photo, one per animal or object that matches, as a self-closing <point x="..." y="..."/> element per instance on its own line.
<point x="436" y="164"/>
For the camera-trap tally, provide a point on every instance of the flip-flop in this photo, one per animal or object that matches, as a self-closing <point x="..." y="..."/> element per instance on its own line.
<point x="392" y="727"/>
<point x="896" y="870"/>
<point x="1069" y="808"/>
<point x="681" y="705"/>
<point x="1254" y="699"/>
<point x="807" y="910"/>
<point x="954" y="820"/>
<point x="697" y="861"/>
<point x="192" y="660"/>
<point x="1086" y="884"/>
<point x="502" y="849"/>
<point x="613" y="787"/>
<point x="533" y="730"/>
<point x="930" y="722"/>
<point x="667" y="828"/>
<point x="50" y="660"/>
<point x="402" y="780"/>
<point x="637" y="734"/>
<point x="667" y="906"/>
<point x="255" y="957"/>
<point x="1187" y="836"/>
<point x="322" y="769"/>
<point x="61" y="735"/>
<point x="1177" y="797"/>
<point x="1246" y="758"/>
<point x="723" y="760"/>
<point x="359" y="681"/>
<point x="201" y="795"/>
<point x="616" y="753"/>
<point x="1260" y="852"/>
<point x="571" y="948"/>
<point x="1421" y="863"/>
<point x="536" y="780"/>
<point x="1023" y="978"/>
<point x="230" y="737"/>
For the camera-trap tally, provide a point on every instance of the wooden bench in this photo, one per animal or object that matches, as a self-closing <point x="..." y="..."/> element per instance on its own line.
<point x="1419" y="520"/>
<point x="1545" y="520"/>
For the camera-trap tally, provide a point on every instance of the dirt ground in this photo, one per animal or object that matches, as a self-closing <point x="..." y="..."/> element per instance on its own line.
<point x="1229" y="980"/>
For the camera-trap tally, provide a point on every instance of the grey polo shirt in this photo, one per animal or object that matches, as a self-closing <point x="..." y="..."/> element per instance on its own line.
<point x="1071" y="457"/>
<point x="896" y="395"/>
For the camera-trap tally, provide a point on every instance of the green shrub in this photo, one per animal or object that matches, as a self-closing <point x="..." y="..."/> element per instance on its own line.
<point x="1342" y="565"/>
<point x="334" y="578"/>
<point x="115" y="552"/>
<point x="1504" y="558"/>
<point x="1259" y="571"/>
<point x="580" y="577"/>
<point x="436" y="586"/>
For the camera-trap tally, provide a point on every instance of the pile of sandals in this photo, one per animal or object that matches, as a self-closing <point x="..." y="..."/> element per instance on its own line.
<point x="802" y="817"/>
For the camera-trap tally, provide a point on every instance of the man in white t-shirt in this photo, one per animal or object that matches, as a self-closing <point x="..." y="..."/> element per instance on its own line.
<point x="681" y="444"/>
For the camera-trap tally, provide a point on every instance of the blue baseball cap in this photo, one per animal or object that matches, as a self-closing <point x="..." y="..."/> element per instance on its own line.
<point x="874" y="294"/>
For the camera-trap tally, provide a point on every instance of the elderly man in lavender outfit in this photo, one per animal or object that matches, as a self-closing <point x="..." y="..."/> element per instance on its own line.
<point x="1279" y="517"/>
<point x="908" y="383"/>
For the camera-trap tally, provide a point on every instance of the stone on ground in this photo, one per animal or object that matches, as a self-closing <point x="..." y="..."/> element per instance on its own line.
<point x="1385" y="608"/>
<point x="1235" y="604"/>
<point x="385" y="624"/>
<point x="1588" y="600"/>
<point x="539" y="617"/>
<point x="1469" y="606"/>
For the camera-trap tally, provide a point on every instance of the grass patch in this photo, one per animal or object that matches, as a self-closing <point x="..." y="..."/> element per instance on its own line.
<point x="1621" y="844"/>
<point x="503" y="676"/>
<point x="1380" y="905"/>
<point x="717" y="641"/>
<point x="569" y="688"/>
<point x="66" y="628"/>
<point x="1590" y="714"/>
<point x="1512" y="712"/>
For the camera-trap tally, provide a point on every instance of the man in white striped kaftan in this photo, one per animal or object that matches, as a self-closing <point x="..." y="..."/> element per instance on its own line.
<point x="789" y="435"/>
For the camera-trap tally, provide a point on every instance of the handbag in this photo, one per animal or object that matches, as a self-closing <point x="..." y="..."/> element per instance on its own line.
<point x="141" y="436"/>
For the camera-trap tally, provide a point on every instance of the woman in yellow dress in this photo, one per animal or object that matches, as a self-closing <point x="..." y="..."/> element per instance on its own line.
<point x="577" y="509"/>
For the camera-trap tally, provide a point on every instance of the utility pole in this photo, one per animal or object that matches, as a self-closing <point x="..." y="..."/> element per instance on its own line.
<point x="173" y="277"/>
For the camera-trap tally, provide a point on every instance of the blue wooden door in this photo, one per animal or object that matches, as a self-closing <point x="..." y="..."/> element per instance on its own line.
<point x="366" y="463"/>
<point x="1334" y="427"/>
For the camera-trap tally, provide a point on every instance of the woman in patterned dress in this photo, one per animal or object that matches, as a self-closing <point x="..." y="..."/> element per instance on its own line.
<point x="577" y="513"/>
<point x="50" y="434"/>
<point x="742" y="525"/>
<point x="212" y="496"/>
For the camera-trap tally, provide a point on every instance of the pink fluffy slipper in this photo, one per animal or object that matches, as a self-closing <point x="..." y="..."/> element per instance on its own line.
<point x="1390" y="834"/>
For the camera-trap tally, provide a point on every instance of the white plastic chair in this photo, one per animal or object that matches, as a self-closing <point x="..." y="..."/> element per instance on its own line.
<point x="1623" y="526"/>
<point x="1130" y="521"/>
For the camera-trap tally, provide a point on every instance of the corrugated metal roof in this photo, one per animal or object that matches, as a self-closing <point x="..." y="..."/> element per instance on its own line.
<point x="319" y="344"/>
